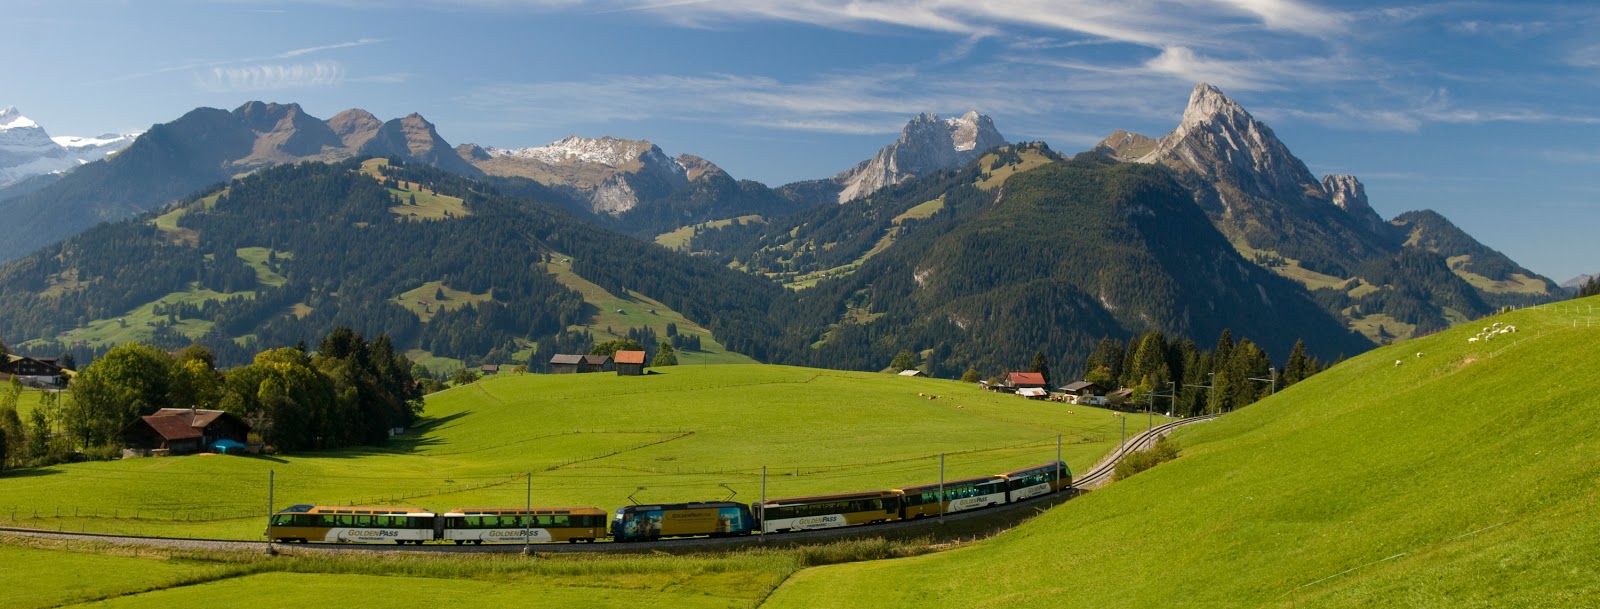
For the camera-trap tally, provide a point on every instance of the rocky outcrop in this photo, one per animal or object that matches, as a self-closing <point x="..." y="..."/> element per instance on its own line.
<point x="927" y="144"/>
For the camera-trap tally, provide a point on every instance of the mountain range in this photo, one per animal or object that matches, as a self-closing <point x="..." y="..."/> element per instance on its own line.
<point x="27" y="150"/>
<point x="949" y="242"/>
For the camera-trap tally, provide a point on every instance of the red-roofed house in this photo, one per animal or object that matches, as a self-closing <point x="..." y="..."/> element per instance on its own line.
<point x="1025" y="380"/>
<point x="178" y="431"/>
<point x="629" y="363"/>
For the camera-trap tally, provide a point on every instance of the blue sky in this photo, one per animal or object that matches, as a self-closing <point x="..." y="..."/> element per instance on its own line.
<point x="1484" y="111"/>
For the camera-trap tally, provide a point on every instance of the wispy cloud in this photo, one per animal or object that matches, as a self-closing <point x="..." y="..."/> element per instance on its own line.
<point x="267" y="77"/>
<point x="327" y="47"/>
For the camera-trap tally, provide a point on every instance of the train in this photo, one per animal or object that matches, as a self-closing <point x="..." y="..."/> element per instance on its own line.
<point x="305" y="523"/>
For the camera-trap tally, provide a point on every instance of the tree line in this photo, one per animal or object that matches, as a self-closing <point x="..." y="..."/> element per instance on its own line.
<point x="350" y="391"/>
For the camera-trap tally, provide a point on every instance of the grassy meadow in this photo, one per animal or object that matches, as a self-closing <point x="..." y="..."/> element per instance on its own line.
<point x="1463" y="477"/>
<point x="688" y="433"/>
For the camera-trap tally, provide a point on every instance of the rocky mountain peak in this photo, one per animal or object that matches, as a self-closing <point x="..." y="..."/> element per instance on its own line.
<point x="1349" y="194"/>
<point x="27" y="150"/>
<point x="1125" y="145"/>
<point x="1222" y="142"/>
<point x="354" y="126"/>
<point x="927" y="144"/>
<point x="695" y="167"/>
<point x="414" y="139"/>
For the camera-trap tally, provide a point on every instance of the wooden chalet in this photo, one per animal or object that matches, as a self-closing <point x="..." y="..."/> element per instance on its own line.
<point x="178" y="431"/>
<point x="629" y="363"/>
<point x="37" y="371"/>
<point x="488" y="369"/>
<point x="1083" y="389"/>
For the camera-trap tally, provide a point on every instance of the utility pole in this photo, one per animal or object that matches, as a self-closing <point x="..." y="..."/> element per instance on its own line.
<point x="1211" y="402"/>
<point x="1272" y="377"/>
<point x="941" y="488"/>
<point x="527" y="520"/>
<point x="271" y="482"/>
<point x="763" y="514"/>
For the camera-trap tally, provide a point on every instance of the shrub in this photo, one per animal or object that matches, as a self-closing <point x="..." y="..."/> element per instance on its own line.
<point x="1165" y="449"/>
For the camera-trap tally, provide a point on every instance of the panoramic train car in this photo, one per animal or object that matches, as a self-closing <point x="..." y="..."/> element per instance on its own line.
<point x="351" y="524"/>
<point x="520" y="525"/>
<point x="646" y="522"/>
<point x="1037" y="480"/>
<point x="826" y="511"/>
<point x="959" y="496"/>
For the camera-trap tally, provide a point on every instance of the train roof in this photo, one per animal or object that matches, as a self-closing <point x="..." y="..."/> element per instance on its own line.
<point x="683" y="506"/>
<point x="358" y="510"/>
<point x="1033" y="468"/>
<point x="517" y="511"/>
<point x="949" y="483"/>
<point x="836" y="497"/>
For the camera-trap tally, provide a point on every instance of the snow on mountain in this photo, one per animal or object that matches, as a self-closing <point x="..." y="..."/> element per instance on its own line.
<point x="26" y="150"/>
<point x="927" y="144"/>
<point x="626" y="155"/>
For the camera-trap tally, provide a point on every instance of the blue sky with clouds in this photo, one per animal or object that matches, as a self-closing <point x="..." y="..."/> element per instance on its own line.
<point x="1484" y="111"/>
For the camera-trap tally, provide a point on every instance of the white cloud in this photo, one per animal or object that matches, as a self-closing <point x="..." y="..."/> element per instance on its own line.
<point x="327" y="47"/>
<point x="266" y="77"/>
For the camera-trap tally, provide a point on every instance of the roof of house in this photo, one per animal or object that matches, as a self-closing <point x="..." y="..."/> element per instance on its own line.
<point x="629" y="357"/>
<point x="596" y="360"/>
<point x="491" y="367"/>
<point x="182" y="423"/>
<point x="1079" y="386"/>
<point x="911" y="372"/>
<point x="1032" y="392"/>
<point x="1026" y="378"/>
<point x="563" y="358"/>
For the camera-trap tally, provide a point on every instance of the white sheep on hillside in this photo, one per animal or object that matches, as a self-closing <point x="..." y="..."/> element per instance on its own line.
<point x="1397" y="362"/>
<point x="1511" y="328"/>
<point x="1419" y="355"/>
<point x="1473" y="339"/>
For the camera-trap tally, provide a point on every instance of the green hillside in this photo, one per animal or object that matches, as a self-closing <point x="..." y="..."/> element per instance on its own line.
<point x="1463" y="477"/>
<point x="593" y="439"/>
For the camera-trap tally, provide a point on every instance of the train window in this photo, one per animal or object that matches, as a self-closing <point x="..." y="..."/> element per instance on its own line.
<point x="559" y="521"/>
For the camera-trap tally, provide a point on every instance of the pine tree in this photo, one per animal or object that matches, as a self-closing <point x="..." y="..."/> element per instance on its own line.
<point x="1298" y="366"/>
<point x="1042" y="366"/>
<point x="665" y="355"/>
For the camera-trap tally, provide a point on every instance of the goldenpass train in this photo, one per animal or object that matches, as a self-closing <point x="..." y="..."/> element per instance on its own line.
<point x="401" y="525"/>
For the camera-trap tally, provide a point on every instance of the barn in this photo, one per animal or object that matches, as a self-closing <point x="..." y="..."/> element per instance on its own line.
<point x="629" y="363"/>
<point x="561" y="363"/>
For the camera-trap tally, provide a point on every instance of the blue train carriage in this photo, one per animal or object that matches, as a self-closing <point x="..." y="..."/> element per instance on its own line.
<point x="826" y="511"/>
<point x="351" y="524"/>
<point x="959" y="496"/>
<point x="1028" y="482"/>
<point x="647" y="522"/>
<point x="522" y="525"/>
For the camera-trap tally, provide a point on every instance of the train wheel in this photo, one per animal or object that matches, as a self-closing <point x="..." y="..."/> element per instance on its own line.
<point x="477" y="542"/>
<point x="400" y="542"/>
<point x="460" y="541"/>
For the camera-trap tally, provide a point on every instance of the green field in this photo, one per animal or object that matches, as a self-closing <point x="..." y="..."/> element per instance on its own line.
<point x="593" y="439"/>
<point x="41" y="574"/>
<point x="1462" y="478"/>
<point x="139" y="323"/>
<point x="423" y="301"/>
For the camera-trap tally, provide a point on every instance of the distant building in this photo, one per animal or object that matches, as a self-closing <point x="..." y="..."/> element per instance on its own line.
<point x="34" y="370"/>
<point x="489" y="369"/>
<point x="1033" y="393"/>
<point x="911" y="372"/>
<point x="1083" y="389"/>
<point x="561" y="363"/>
<point x="629" y="363"/>
<point x="596" y="363"/>
<point x="1025" y="380"/>
<point x="178" y="431"/>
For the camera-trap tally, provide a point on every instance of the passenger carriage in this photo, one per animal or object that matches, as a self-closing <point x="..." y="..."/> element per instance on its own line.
<point x="351" y="524"/>
<point x="1038" y="480"/>
<point x="647" y="522"/>
<point x="826" y="511"/>
<point x="959" y="496"/>
<point x="522" y="525"/>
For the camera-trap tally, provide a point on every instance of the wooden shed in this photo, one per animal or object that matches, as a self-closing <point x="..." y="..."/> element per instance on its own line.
<point x="561" y="363"/>
<point x="629" y="363"/>
<point x="596" y="363"/>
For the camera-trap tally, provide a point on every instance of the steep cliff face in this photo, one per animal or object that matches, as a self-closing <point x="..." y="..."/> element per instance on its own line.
<point x="927" y="144"/>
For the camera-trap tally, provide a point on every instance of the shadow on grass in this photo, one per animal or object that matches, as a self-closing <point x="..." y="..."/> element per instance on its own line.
<point x="31" y="472"/>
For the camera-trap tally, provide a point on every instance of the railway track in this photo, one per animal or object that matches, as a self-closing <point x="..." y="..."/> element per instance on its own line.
<point x="973" y="522"/>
